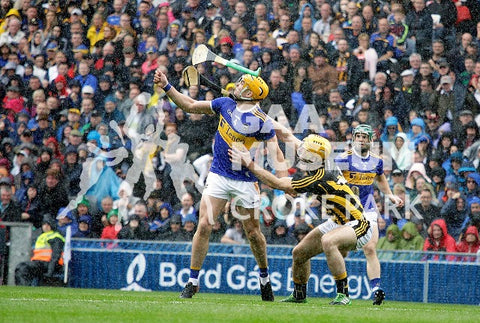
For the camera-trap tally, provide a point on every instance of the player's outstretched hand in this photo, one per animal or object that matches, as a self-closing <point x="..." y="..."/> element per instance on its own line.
<point x="395" y="200"/>
<point x="160" y="78"/>
<point x="239" y="155"/>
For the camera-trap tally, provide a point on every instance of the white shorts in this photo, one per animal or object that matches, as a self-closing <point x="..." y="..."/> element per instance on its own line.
<point x="245" y="194"/>
<point x="371" y="216"/>
<point x="329" y="225"/>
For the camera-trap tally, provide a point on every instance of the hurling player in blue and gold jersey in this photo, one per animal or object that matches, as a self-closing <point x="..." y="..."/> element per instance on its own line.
<point x="241" y="122"/>
<point x="345" y="230"/>
<point x="361" y="168"/>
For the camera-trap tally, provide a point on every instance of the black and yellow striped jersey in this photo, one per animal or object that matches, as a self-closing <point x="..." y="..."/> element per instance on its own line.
<point x="333" y="192"/>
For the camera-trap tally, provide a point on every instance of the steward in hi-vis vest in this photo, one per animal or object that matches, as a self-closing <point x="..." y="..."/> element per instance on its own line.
<point x="47" y="256"/>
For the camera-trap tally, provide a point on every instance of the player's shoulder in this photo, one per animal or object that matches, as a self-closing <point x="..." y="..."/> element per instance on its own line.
<point x="375" y="156"/>
<point x="344" y="155"/>
<point x="218" y="104"/>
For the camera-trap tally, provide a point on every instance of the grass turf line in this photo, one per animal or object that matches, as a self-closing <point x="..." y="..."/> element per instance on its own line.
<point x="28" y="304"/>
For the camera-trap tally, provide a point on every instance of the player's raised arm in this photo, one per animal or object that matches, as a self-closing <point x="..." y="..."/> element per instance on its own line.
<point x="184" y="102"/>
<point x="276" y="155"/>
<point x="241" y="154"/>
<point x="284" y="134"/>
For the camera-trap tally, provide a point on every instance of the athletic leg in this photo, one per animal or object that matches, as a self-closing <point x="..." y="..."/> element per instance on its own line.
<point x="308" y="247"/>
<point x="373" y="266"/>
<point x="258" y="245"/>
<point x="335" y="243"/>
<point x="210" y="208"/>
<point x="257" y="241"/>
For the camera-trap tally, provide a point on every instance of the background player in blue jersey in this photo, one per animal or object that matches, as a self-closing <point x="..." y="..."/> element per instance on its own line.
<point x="241" y="121"/>
<point x="361" y="168"/>
<point x="345" y="230"/>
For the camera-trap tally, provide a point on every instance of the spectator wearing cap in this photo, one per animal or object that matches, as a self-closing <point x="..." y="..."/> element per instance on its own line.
<point x="8" y="69"/>
<point x="84" y="76"/>
<point x="75" y="138"/>
<point x="408" y="94"/>
<point x="114" y="226"/>
<point x="111" y="112"/>
<point x="105" y="88"/>
<point x="95" y="31"/>
<point x="73" y="121"/>
<point x="226" y="47"/>
<point x="150" y="63"/>
<point x="84" y="228"/>
<point x="176" y="232"/>
<point x="13" y="102"/>
<point x="206" y="21"/>
<point x="134" y="230"/>
<point x="43" y="130"/>
<point x="82" y="208"/>
<point x="30" y="13"/>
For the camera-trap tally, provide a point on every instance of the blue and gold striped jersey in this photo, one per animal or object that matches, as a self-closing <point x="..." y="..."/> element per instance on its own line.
<point x="360" y="173"/>
<point x="333" y="192"/>
<point x="246" y="127"/>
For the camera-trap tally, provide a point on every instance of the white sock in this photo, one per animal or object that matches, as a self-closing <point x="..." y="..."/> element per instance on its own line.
<point x="264" y="280"/>
<point x="194" y="281"/>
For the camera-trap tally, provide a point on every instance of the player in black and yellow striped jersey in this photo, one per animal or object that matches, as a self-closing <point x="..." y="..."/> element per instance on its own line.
<point x="345" y="230"/>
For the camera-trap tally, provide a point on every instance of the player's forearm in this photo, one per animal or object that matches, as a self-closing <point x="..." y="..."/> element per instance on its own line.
<point x="383" y="185"/>
<point x="269" y="179"/>
<point x="285" y="134"/>
<point x="181" y="100"/>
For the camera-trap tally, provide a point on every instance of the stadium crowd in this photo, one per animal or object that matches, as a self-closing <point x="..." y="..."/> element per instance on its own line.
<point x="79" y="105"/>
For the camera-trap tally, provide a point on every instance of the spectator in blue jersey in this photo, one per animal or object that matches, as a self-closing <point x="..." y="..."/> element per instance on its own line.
<point x="384" y="44"/>
<point x="224" y="181"/>
<point x="361" y="168"/>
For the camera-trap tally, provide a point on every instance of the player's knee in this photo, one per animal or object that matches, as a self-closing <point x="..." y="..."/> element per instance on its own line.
<point x="369" y="249"/>
<point x="204" y="228"/>
<point x="298" y="254"/>
<point x="254" y="235"/>
<point x="328" y="243"/>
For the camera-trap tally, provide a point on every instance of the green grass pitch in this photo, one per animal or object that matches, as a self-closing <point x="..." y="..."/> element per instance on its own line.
<point x="30" y="304"/>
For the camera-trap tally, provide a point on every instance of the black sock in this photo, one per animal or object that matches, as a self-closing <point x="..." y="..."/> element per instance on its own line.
<point x="300" y="291"/>
<point x="342" y="286"/>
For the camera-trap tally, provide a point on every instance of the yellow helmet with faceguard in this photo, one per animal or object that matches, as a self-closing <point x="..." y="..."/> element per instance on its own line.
<point x="315" y="148"/>
<point x="255" y="84"/>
